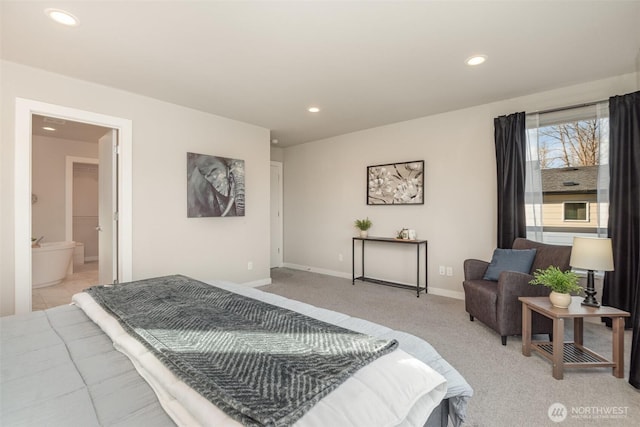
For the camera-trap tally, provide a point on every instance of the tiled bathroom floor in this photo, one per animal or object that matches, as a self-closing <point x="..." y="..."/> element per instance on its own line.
<point x="84" y="275"/>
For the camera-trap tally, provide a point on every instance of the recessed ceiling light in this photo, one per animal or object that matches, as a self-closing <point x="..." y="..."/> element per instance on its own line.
<point x="274" y="140"/>
<point x="62" y="17"/>
<point x="49" y="128"/>
<point x="476" y="59"/>
<point x="313" y="109"/>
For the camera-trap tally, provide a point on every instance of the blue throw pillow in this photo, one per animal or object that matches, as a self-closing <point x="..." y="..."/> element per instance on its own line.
<point x="509" y="260"/>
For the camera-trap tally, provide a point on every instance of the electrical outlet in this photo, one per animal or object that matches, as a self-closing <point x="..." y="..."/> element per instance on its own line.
<point x="250" y="265"/>
<point x="449" y="271"/>
<point x="441" y="270"/>
<point x="340" y="257"/>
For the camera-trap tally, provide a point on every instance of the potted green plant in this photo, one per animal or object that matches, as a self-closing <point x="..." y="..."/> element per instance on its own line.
<point x="561" y="283"/>
<point x="363" y="225"/>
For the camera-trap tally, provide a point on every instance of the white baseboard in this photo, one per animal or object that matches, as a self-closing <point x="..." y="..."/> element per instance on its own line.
<point x="257" y="283"/>
<point x="434" y="291"/>
<point x="90" y="258"/>
<point x="318" y="270"/>
<point x="446" y="293"/>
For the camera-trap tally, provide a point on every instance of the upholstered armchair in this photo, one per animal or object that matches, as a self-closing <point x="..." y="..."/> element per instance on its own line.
<point x="495" y="302"/>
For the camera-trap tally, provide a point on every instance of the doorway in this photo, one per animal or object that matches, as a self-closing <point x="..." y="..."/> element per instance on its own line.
<point x="81" y="215"/>
<point x="72" y="202"/>
<point x="25" y="110"/>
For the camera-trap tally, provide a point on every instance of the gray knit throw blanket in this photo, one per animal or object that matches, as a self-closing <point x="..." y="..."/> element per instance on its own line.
<point x="261" y="364"/>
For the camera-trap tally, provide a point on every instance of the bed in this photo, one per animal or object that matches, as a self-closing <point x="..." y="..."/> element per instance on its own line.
<point x="60" y="368"/>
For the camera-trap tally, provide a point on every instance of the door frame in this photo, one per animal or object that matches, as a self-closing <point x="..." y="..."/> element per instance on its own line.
<point x="280" y="219"/>
<point x="68" y="207"/>
<point x="24" y="109"/>
<point x="68" y="192"/>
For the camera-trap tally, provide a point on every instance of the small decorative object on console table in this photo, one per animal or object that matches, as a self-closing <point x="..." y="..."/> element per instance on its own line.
<point x="363" y="225"/>
<point x="561" y="283"/>
<point x="591" y="254"/>
<point x="402" y="234"/>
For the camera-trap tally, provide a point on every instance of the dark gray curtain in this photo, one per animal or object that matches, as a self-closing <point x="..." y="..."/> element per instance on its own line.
<point x="622" y="286"/>
<point x="511" y="144"/>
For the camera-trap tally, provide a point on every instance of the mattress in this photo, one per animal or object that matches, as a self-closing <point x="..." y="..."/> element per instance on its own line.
<point x="59" y="359"/>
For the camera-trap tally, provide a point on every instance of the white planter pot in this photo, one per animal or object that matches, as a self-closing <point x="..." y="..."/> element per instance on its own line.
<point x="560" y="300"/>
<point x="364" y="233"/>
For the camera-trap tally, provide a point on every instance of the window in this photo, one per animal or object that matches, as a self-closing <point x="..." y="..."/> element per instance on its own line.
<point x="567" y="175"/>
<point x="575" y="211"/>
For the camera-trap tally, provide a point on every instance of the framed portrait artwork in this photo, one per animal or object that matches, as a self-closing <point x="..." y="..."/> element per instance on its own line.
<point x="215" y="186"/>
<point x="396" y="183"/>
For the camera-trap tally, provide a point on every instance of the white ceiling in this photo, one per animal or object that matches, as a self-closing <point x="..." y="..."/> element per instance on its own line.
<point x="365" y="64"/>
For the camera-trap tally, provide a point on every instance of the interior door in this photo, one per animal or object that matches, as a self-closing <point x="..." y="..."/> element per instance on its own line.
<point x="108" y="208"/>
<point x="276" y="215"/>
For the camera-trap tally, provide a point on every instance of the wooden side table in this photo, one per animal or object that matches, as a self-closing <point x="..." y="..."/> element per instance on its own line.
<point x="572" y="354"/>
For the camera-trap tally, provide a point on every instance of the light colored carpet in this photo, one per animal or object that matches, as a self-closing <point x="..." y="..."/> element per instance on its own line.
<point x="509" y="388"/>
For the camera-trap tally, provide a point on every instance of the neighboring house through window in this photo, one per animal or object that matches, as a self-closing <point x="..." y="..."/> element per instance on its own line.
<point x="567" y="174"/>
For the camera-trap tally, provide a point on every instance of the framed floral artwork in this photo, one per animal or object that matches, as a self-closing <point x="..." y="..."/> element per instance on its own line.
<point x="396" y="184"/>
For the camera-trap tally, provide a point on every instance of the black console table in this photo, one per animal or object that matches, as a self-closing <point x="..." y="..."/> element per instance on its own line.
<point x="364" y="278"/>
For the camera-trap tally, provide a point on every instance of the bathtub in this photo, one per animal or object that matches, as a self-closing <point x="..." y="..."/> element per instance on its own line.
<point x="50" y="263"/>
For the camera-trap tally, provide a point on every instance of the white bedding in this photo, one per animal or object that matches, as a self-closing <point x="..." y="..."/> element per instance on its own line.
<point x="394" y="390"/>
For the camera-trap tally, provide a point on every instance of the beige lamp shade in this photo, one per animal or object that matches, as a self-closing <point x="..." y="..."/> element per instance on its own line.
<point x="591" y="253"/>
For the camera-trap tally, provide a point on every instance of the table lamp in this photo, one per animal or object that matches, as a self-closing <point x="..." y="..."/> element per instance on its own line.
<point x="591" y="254"/>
